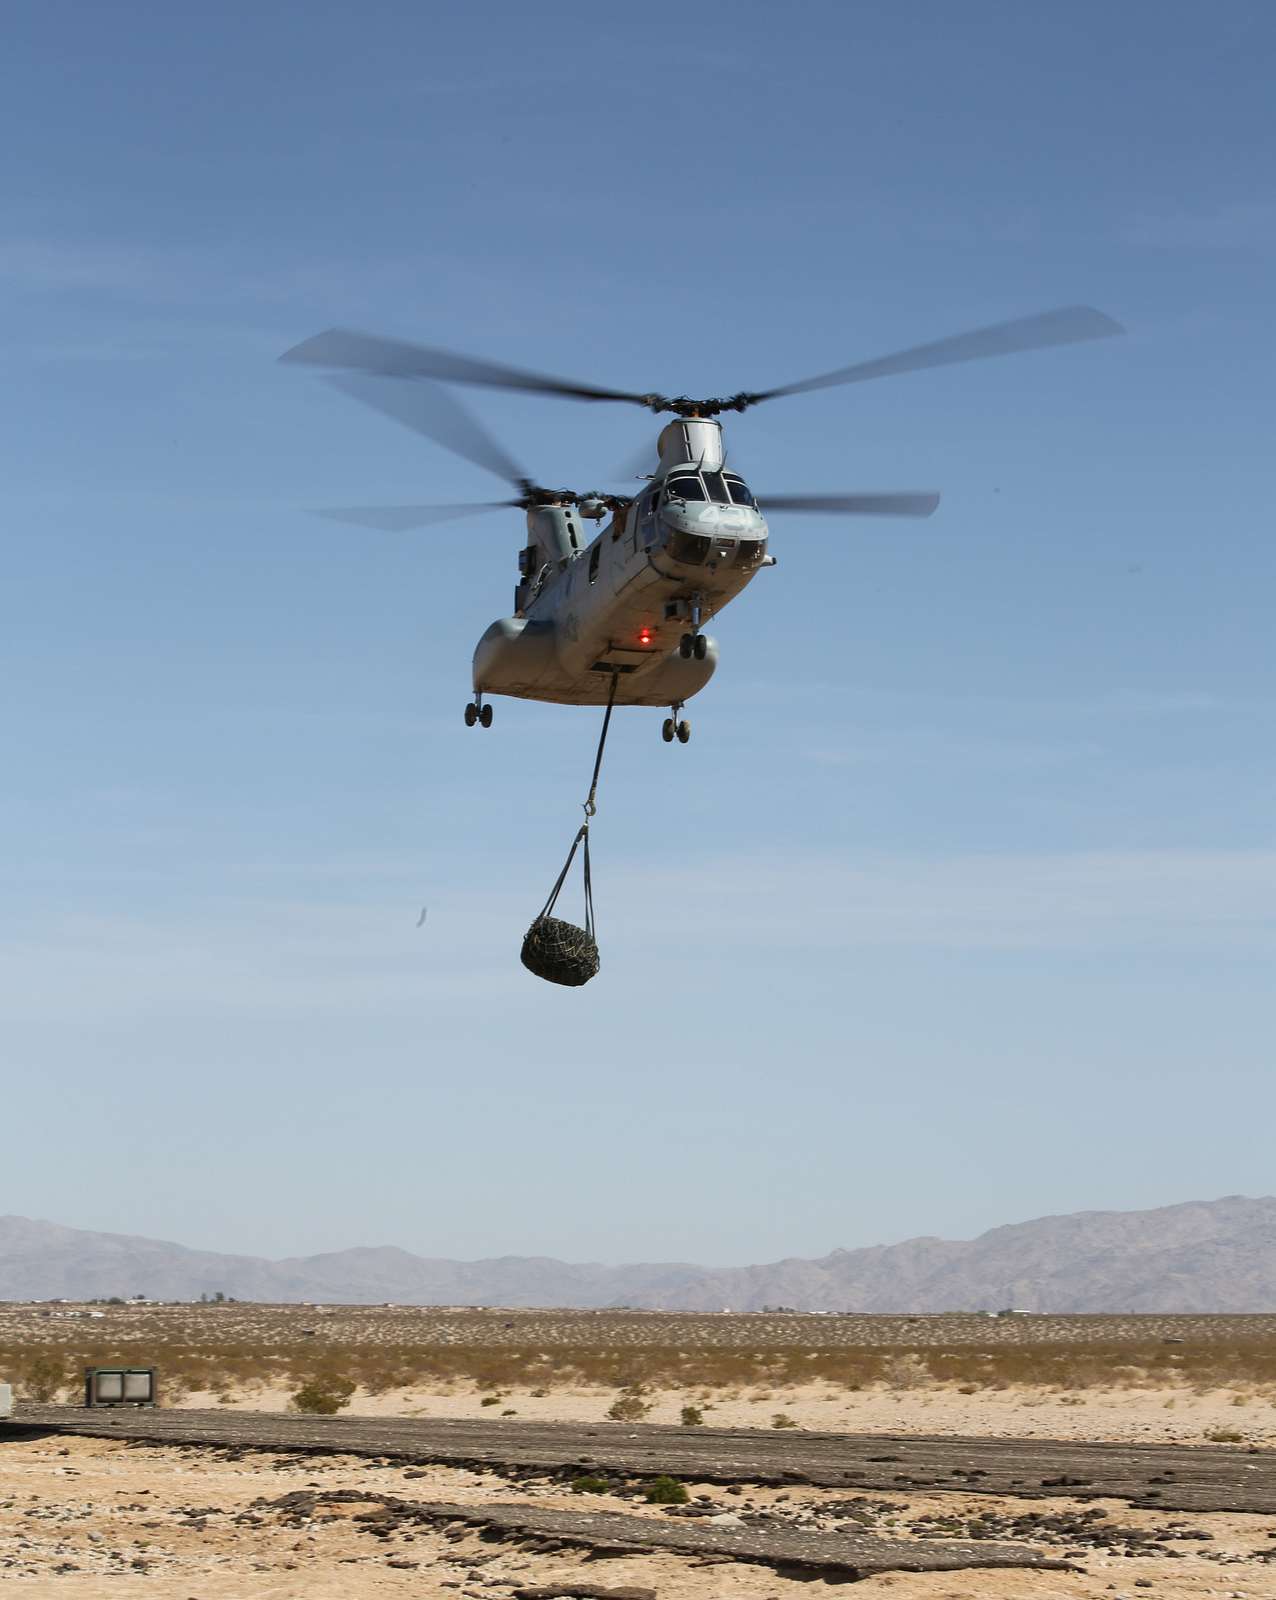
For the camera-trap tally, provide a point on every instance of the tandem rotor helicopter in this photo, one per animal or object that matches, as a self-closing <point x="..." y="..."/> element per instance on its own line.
<point x="618" y="617"/>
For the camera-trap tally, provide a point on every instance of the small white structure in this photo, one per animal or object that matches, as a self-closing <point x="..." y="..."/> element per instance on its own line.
<point x="6" y="1400"/>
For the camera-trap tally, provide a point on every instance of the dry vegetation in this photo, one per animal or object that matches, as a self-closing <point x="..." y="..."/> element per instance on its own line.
<point x="215" y="1348"/>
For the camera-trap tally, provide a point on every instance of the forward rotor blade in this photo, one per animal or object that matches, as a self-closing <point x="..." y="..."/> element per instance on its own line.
<point x="428" y="409"/>
<point x="396" y="519"/>
<point x="1069" y="325"/>
<point x="862" y="505"/>
<point x="398" y="358"/>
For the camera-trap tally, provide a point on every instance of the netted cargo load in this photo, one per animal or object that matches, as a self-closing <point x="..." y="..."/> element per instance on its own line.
<point x="560" y="952"/>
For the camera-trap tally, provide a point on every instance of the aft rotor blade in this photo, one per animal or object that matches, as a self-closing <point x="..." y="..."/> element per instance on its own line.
<point x="399" y="358"/>
<point x="862" y="505"/>
<point x="428" y="409"/>
<point x="640" y="463"/>
<point x="1068" y="325"/>
<point x="396" y="519"/>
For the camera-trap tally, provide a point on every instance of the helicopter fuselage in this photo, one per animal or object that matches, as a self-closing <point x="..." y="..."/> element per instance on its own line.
<point x="623" y="606"/>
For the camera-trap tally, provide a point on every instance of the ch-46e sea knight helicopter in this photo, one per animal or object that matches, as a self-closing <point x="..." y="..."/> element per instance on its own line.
<point x="618" y="618"/>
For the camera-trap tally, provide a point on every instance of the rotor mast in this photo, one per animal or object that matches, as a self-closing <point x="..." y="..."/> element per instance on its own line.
<point x="692" y="439"/>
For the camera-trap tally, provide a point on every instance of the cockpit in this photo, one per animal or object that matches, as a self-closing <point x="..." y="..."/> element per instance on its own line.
<point x="714" y="519"/>
<point x="717" y="488"/>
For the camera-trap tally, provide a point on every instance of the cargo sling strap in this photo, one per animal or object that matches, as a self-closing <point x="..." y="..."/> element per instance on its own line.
<point x="582" y="838"/>
<point x="581" y="841"/>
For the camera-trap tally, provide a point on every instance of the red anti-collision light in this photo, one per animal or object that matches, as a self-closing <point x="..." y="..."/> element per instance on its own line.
<point x="644" y="636"/>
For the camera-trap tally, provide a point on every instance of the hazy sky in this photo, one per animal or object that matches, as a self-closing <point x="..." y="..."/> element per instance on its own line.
<point x="959" y="908"/>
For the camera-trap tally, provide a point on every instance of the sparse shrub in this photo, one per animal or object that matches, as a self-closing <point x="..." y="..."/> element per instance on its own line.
<point x="44" y="1377"/>
<point x="490" y="1400"/>
<point x="967" y="1388"/>
<point x="628" y="1408"/>
<point x="906" y="1371"/>
<point x="587" y="1483"/>
<point x="663" y="1491"/>
<point x="1224" y="1436"/>
<point x="379" y="1380"/>
<point x="781" y="1420"/>
<point x="692" y="1417"/>
<point x="539" y="1394"/>
<point x="324" y="1394"/>
<point x="629" y="1405"/>
<point x="509" y="1412"/>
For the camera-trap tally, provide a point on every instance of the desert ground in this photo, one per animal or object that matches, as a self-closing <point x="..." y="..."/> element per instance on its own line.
<point x="90" y="1517"/>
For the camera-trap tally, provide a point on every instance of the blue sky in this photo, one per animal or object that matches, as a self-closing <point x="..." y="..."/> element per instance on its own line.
<point x="959" y="907"/>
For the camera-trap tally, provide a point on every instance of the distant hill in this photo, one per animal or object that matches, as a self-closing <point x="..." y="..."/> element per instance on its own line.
<point x="1204" y="1256"/>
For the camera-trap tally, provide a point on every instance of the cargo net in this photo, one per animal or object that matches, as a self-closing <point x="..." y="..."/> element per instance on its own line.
<point x="559" y="951"/>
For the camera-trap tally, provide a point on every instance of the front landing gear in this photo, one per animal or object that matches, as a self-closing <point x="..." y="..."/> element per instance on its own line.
<point x="693" y="644"/>
<point x="476" y="711"/>
<point x="673" y="728"/>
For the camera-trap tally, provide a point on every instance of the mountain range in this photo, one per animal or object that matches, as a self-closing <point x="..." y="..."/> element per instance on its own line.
<point x="1201" y="1256"/>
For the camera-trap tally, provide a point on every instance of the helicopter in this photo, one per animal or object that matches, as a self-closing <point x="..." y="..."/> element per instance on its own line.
<point x="618" y="618"/>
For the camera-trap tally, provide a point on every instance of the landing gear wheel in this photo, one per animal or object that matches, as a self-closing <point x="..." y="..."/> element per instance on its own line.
<point x="471" y="714"/>
<point x="700" y="647"/>
<point x="683" y="730"/>
<point x="686" y="645"/>
<point x="485" y="716"/>
<point x="666" y="730"/>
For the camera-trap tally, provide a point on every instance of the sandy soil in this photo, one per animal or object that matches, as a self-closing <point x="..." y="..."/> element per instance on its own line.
<point x="90" y="1519"/>
<point x="1127" y="1415"/>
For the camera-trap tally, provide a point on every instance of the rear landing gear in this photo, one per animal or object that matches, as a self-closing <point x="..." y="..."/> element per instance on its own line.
<point x="476" y="711"/>
<point x="675" y="728"/>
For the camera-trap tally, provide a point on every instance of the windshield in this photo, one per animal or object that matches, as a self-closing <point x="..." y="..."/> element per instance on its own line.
<point x="717" y="489"/>
<point x="686" y="487"/>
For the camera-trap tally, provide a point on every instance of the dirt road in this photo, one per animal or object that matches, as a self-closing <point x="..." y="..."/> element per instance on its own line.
<point x="1157" y="1477"/>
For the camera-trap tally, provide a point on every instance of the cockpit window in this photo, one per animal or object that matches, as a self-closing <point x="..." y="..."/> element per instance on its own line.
<point x="740" y="494"/>
<point x="717" y="489"/>
<point x="686" y="487"/>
